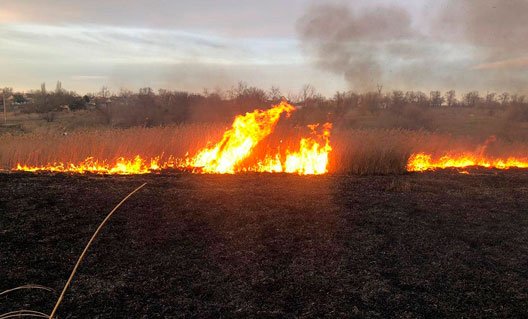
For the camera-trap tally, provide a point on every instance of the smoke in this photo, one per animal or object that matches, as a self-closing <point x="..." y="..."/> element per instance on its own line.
<point x="465" y="45"/>
<point x="498" y="30"/>
<point x="353" y="43"/>
<point x="496" y="25"/>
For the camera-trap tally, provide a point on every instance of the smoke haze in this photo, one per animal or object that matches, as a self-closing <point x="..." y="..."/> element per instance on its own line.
<point x="463" y="45"/>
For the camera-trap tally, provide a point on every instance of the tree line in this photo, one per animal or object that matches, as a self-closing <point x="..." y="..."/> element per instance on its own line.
<point x="148" y="107"/>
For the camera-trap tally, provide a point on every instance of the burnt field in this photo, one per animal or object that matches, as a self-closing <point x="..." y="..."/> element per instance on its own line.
<point x="437" y="244"/>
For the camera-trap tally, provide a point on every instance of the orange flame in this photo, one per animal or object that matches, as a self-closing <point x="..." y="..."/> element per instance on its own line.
<point x="312" y="158"/>
<point x="121" y="166"/>
<point x="225" y="157"/>
<point x="238" y="142"/>
<point x="422" y="162"/>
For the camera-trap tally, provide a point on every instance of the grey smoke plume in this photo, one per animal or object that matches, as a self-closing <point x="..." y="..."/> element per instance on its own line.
<point x="497" y="26"/>
<point x="352" y="43"/>
<point x="466" y="45"/>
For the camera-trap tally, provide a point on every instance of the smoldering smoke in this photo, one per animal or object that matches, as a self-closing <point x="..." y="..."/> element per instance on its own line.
<point x="473" y="44"/>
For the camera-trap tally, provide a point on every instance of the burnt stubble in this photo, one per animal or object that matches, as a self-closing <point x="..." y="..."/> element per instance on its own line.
<point x="438" y="244"/>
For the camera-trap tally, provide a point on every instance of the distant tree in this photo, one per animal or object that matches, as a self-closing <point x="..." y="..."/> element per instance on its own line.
<point x="397" y="99"/>
<point x="58" y="88"/>
<point x="379" y="88"/>
<point x="307" y="92"/>
<point x="346" y="100"/>
<point x="504" y="98"/>
<point x="517" y="99"/>
<point x="104" y="92"/>
<point x="472" y="98"/>
<point x="42" y="104"/>
<point x="490" y="100"/>
<point x="421" y="99"/>
<point x="19" y="98"/>
<point x="77" y="103"/>
<point x="436" y="99"/>
<point x="125" y="93"/>
<point x="233" y="93"/>
<point x="416" y="98"/>
<point x="450" y="97"/>
<point x="6" y="94"/>
<point x="244" y="98"/>
<point x="146" y="91"/>
<point x="274" y="94"/>
<point x="371" y="101"/>
<point x="410" y="97"/>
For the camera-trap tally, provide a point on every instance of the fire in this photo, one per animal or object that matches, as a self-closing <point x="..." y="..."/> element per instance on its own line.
<point x="121" y="166"/>
<point x="312" y="157"/>
<point x="422" y="162"/>
<point x="228" y="156"/>
<point x="238" y="142"/>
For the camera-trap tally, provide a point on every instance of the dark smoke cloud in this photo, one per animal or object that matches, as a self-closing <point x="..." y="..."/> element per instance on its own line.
<point x="351" y="42"/>
<point x="466" y="45"/>
<point x="500" y="27"/>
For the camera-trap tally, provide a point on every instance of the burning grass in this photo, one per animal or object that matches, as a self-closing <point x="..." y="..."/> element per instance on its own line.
<point x="355" y="151"/>
<point x="233" y="153"/>
<point x="106" y="144"/>
<point x="358" y="151"/>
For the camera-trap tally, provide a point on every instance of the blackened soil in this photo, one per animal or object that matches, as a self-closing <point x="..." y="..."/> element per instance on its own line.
<point x="420" y="245"/>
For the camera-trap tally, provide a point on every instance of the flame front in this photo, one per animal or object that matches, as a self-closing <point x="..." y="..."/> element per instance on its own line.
<point x="225" y="157"/>
<point x="312" y="158"/>
<point x="238" y="142"/>
<point x="121" y="166"/>
<point x="422" y="162"/>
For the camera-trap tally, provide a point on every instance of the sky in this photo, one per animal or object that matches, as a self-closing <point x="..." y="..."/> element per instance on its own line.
<point x="214" y="44"/>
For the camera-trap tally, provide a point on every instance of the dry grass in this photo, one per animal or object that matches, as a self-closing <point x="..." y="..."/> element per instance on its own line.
<point x="357" y="151"/>
<point x="34" y="149"/>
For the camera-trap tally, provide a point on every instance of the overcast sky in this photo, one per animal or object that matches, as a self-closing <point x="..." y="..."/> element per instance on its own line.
<point x="333" y="45"/>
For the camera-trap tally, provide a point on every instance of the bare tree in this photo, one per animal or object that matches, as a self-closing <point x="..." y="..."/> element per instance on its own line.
<point x="307" y="92"/>
<point x="379" y="87"/>
<point x="58" y="88"/>
<point x="490" y="99"/>
<point x="436" y="99"/>
<point x="274" y="94"/>
<point x="450" y="97"/>
<point x="471" y="99"/>
<point x="504" y="98"/>
<point x="104" y="92"/>
<point x="517" y="99"/>
<point x="397" y="99"/>
<point x="6" y="93"/>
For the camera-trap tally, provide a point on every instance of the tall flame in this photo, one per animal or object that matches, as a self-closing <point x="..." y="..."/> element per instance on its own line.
<point x="238" y="142"/>
<point x="312" y="158"/>
<point x="225" y="157"/>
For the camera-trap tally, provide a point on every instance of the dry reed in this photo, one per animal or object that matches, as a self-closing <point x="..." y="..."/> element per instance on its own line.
<point x="357" y="151"/>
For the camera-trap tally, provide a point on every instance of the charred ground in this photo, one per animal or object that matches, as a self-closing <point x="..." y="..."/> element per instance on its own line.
<point x="416" y="245"/>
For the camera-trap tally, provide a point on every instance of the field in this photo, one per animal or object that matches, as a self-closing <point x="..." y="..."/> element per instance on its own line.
<point x="356" y="151"/>
<point x="437" y="244"/>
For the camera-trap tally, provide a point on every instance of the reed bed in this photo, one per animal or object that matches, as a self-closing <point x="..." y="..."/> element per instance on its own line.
<point x="38" y="149"/>
<point x="356" y="151"/>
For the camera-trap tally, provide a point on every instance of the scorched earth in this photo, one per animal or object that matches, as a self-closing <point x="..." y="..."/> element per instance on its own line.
<point x="269" y="245"/>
